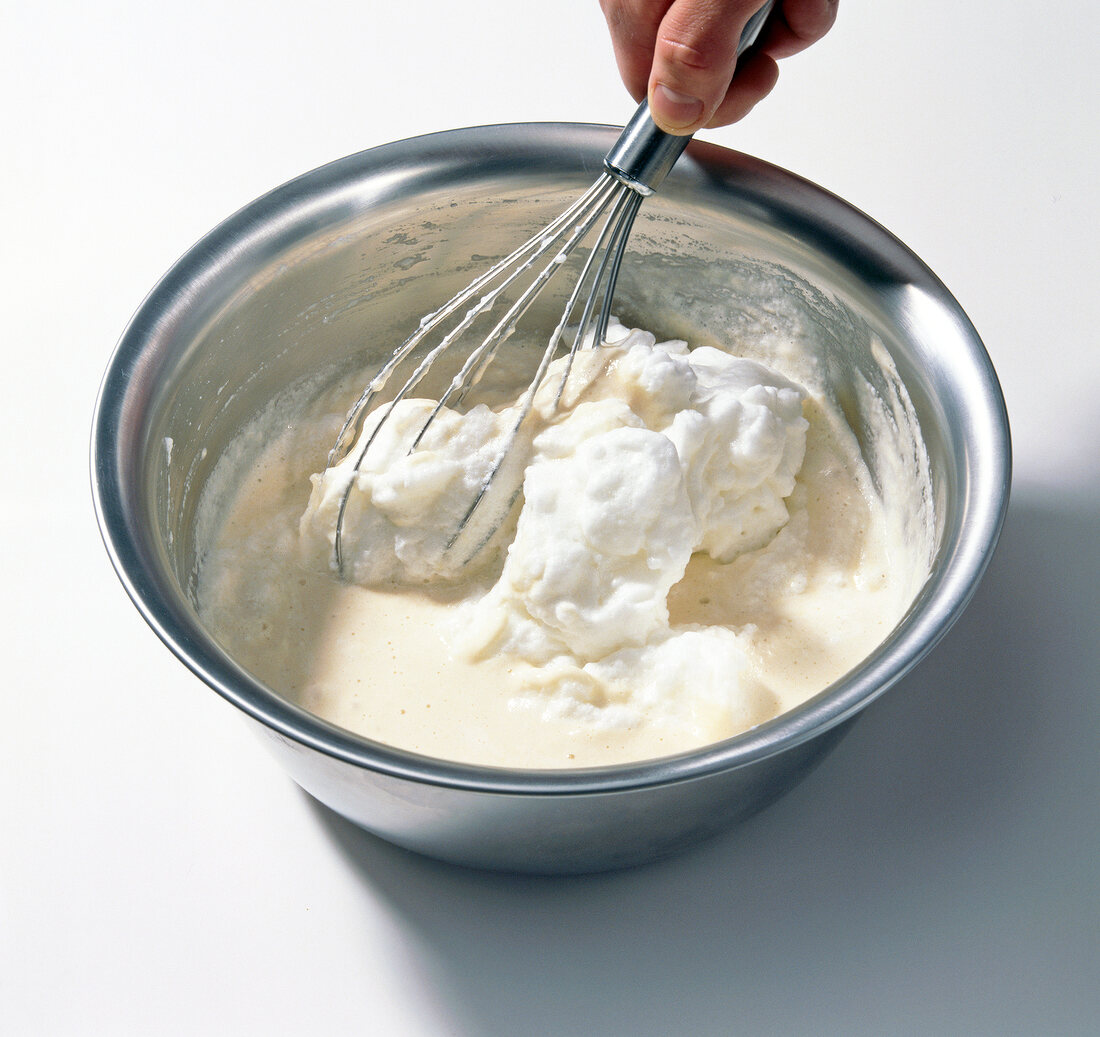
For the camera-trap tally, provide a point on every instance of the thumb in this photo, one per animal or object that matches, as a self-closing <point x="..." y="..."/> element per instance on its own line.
<point x="693" y="61"/>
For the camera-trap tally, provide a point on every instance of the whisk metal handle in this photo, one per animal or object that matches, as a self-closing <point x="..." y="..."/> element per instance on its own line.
<point x="643" y="155"/>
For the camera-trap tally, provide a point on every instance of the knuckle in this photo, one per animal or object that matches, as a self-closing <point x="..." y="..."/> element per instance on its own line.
<point x="677" y="49"/>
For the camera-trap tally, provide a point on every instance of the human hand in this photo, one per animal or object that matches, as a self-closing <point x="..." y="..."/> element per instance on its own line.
<point x="682" y="54"/>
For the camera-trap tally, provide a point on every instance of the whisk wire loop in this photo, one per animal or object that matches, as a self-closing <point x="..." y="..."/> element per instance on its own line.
<point x="611" y="197"/>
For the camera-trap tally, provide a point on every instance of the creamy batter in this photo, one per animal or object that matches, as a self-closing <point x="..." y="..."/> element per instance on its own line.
<point x="697" y="548"/>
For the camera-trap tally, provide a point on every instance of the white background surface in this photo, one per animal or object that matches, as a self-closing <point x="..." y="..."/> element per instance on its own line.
<point x="159" y="874"/>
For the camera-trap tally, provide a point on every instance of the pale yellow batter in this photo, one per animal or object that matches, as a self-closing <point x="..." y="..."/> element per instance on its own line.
<point x="776" y="625"/>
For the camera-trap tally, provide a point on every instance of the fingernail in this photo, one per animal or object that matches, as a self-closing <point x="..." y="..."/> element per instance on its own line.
<point x="673" y="108"/>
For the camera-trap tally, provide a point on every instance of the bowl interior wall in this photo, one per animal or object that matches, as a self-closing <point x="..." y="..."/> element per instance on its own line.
<point x="333" y="291"/>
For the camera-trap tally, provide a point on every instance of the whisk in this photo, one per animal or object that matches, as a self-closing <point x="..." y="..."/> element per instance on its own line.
<point x="634" y="168"/>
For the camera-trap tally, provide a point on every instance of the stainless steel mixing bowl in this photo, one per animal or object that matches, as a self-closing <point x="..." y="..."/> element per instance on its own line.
<point x="307" y="277"/>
